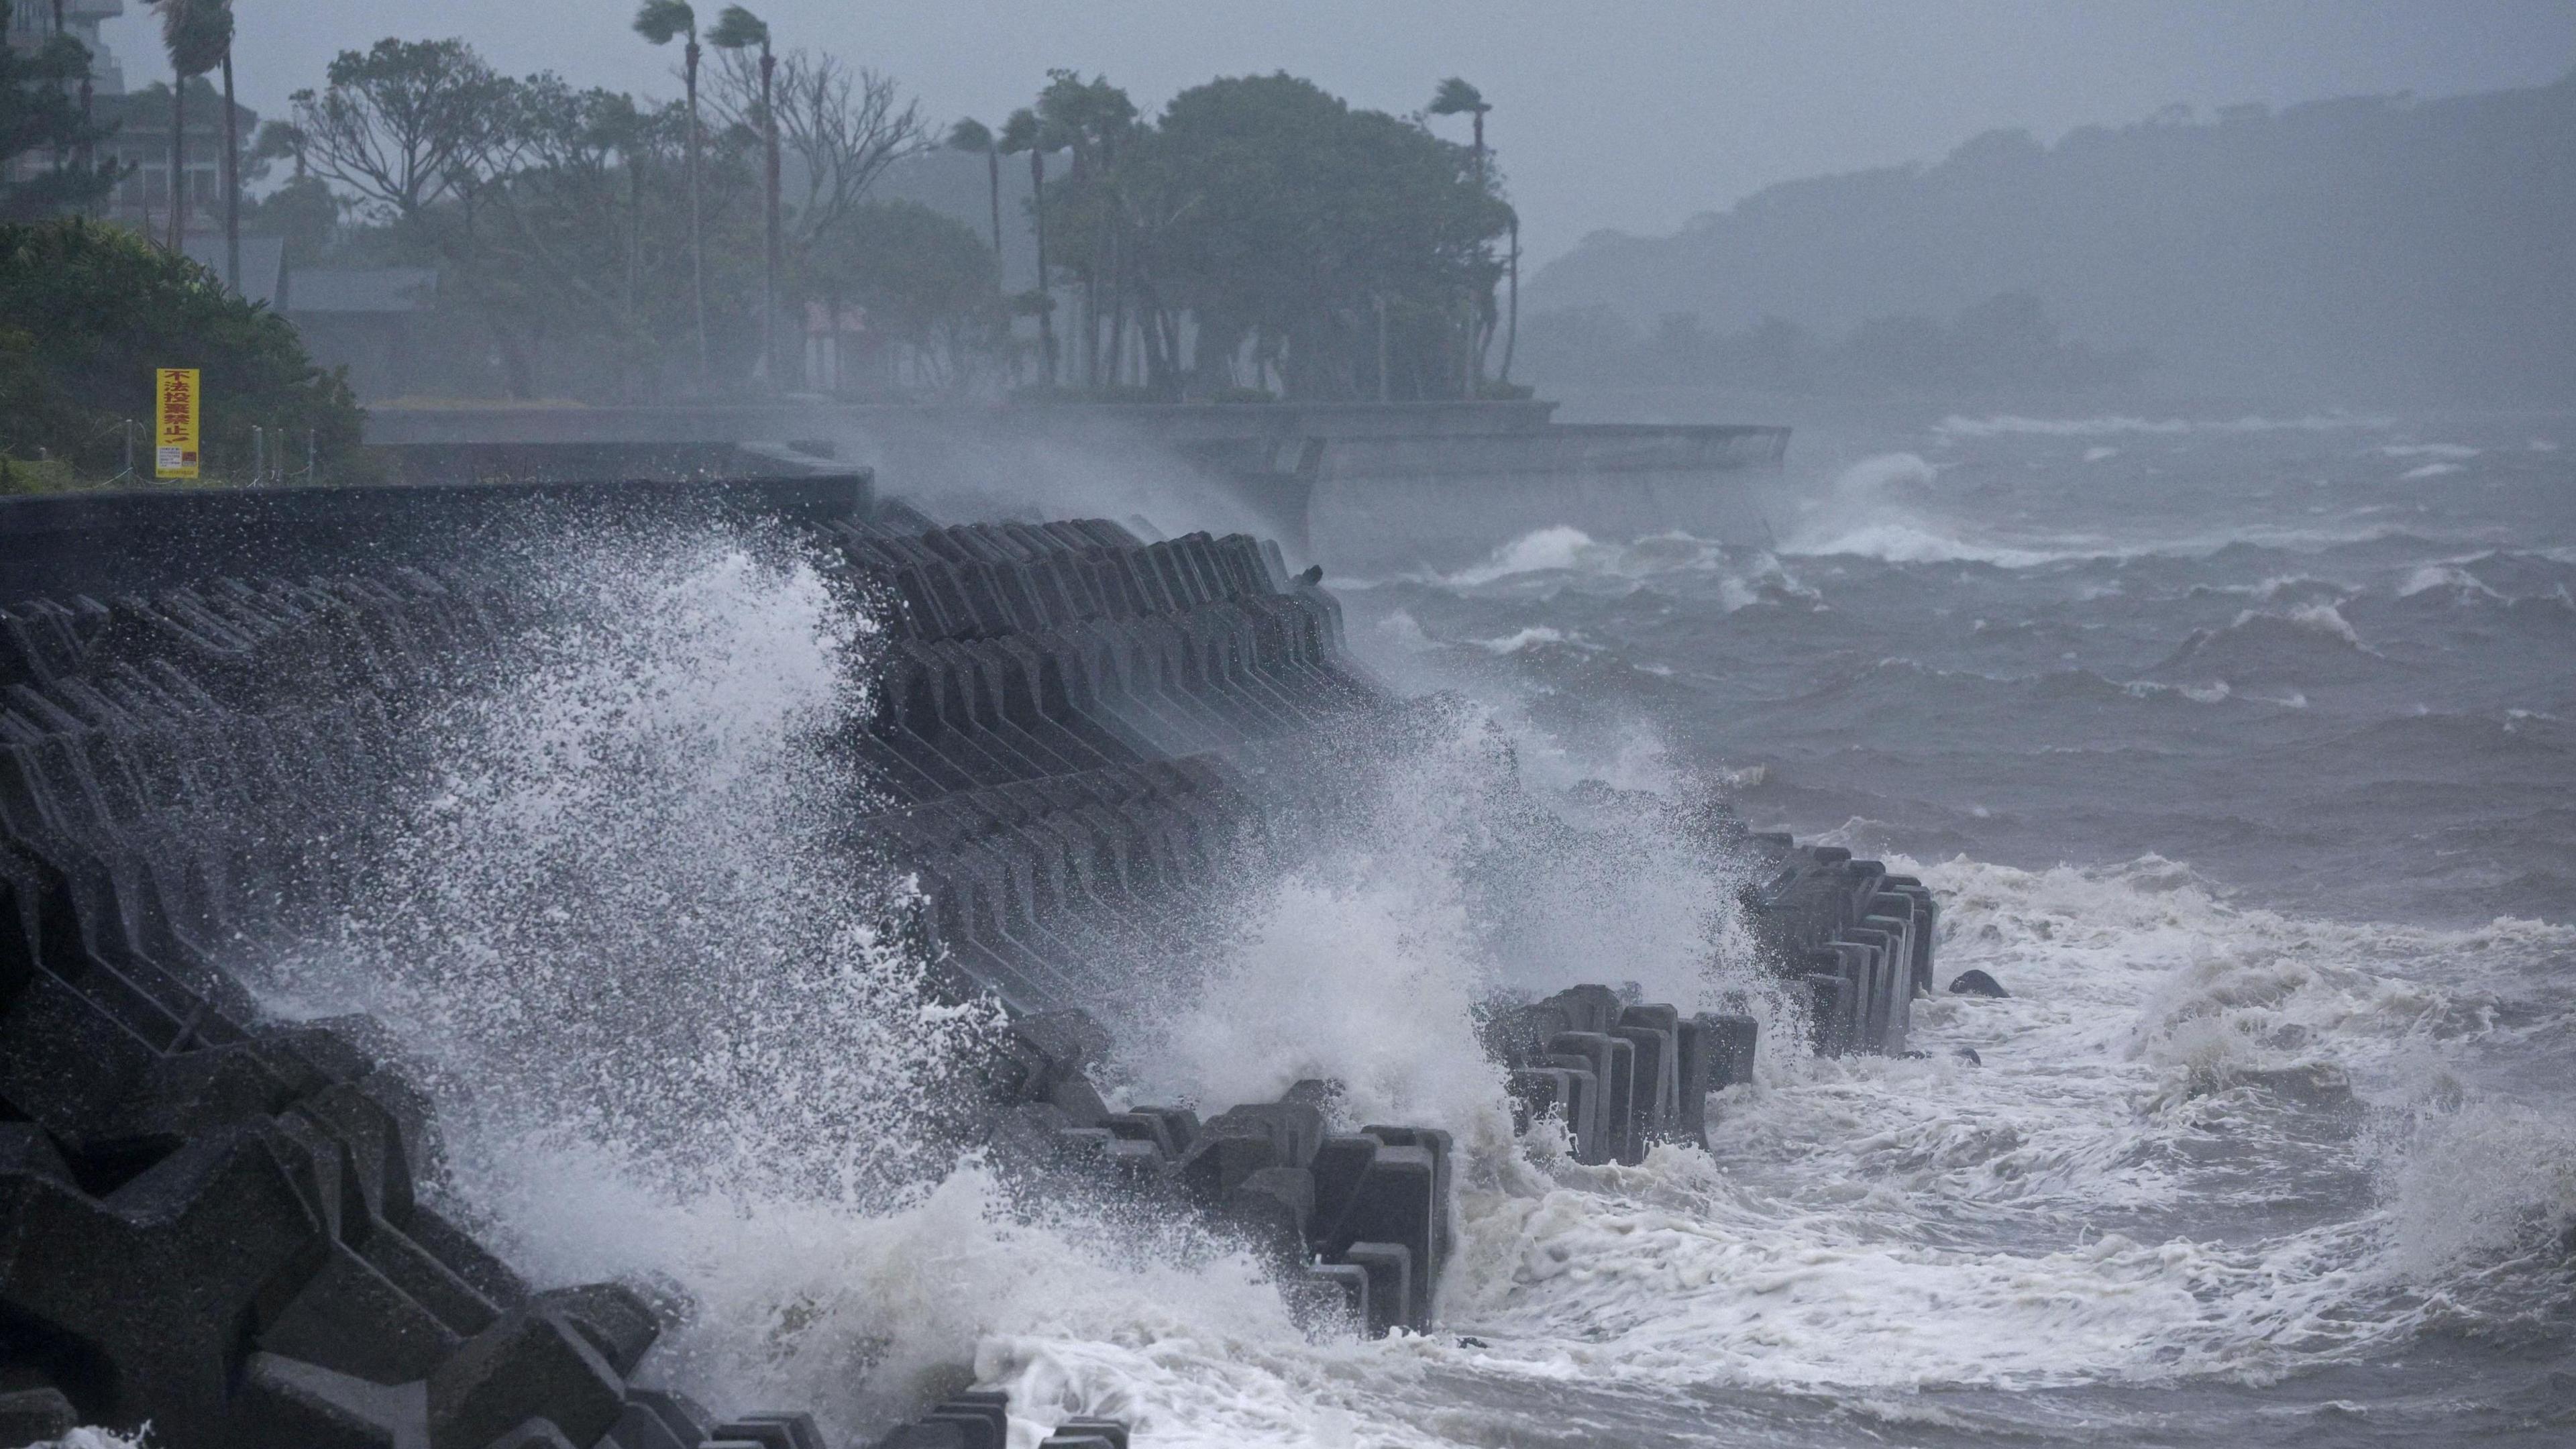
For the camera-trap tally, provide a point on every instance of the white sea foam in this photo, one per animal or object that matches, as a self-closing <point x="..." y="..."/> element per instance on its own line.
<point x="2454" y="452"/>
<point x="1556" y="548"/>
<point x="1545" y="556"/>
<point x="2006" y="424"/>
<point x="1522" y="639"/>
<point x="2323" y="619"/>
<point x="2100" y="454"/>
<point x="2429" y="470"/>
<point x="1871" y="1222"/>
<point x="2465" y="585"/>
<point x="1866" y="514"/>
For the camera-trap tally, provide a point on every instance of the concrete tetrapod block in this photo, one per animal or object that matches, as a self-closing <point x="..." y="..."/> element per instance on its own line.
<point x="1109" y="1431"/>
<point x="1296" y="1128"/>
<point x="283" y="1401"/>
<point x="1150" y="1128"/>
<point x="428" y="1281"/>
<point x="34" y="1416"/>
<point x="685" y="1419"/>
<point x="1389" y="1267"/>
<point x="157" y="1279"/>
<point x="1829" y="1013"/>
<point x="983" y="1420"/>
<point x="1733" y="1039"/>
<point x="531" y="1363"/>
<point x="1651" y="1109"/>
<point x="1345" y="1287"/>
<point x="1694" y="1077"/>
<point x="1395" y="1202"/>
<point x="1443" y="1149"/>
<point x="1180" y="1123"/>
<point x="774" y="1430"/>
<point x="640" y="1428"/>
<point x="1613" y="1064"/>
<point x="1339" y="1164"/>
<point x="538" y="1433"/>
<point x="1667" y="1071"/>
<point x="1275" y="1204"/>
<point x="1583" y="1106"/>
<point x="616" y="1320"/>
<point x="351" y="1319"/>
<point x="1591" y="1008"/>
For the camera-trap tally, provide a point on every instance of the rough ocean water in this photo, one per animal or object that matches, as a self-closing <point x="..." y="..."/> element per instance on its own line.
<point x="2238" y="748"/>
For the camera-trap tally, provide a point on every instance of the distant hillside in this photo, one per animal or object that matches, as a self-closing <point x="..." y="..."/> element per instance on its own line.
<point x="2367" y="246"/>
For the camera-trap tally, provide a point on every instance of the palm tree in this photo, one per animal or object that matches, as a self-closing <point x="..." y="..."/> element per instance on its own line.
<point x="659" y="21"/>
<point x="197" y="34"/>
<point x="974" y="135"/>
<point x="1022" y="133"/>
<point x="232" y="164"/>
<point x="738" y="29"/>
<point x="1456" y="97"/>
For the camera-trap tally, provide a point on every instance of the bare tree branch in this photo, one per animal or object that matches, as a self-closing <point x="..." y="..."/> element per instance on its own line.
<point x="844" y="126"/>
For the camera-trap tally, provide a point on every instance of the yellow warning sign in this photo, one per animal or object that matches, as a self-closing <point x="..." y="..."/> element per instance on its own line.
<point x="176" y="428"/>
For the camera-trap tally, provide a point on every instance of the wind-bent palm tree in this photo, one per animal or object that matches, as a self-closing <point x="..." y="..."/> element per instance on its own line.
<point x="232" y="164"/>
<point x="974" y="135"/>
<point x="659" y="22"/>
<point x="197" y="34"/>
<point x="1023" y="133"/>
<point x="1455" y="98"/>
<point x="739" y="29"/>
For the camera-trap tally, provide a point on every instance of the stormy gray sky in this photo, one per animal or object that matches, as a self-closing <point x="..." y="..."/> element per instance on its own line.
<point x="1631" y="114"/>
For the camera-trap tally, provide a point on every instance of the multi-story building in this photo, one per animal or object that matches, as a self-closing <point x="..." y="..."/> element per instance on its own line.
<point x="142" y="120"/>
<point x="33" y="22"/>
<point x="142" y="143"/>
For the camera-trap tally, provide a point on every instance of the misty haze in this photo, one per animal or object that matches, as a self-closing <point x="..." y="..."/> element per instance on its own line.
<point x="1119" y="727"/>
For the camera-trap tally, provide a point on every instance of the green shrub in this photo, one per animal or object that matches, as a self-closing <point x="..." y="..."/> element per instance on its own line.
<point x="92" y="309"/>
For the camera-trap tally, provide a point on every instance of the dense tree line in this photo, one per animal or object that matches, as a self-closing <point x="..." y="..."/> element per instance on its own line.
<point x="621" y="237"/>
<point x="1263" y="236"/>
<point x="1258" y="237"/>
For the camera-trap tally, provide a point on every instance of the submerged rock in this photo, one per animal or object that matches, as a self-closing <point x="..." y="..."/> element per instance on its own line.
<point x="1976" y="983"/>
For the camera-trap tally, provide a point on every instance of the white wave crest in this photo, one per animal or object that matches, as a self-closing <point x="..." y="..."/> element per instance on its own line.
<point x="1514" y="643"/>
<point x="2005" y="424"/>
<point x="2466" y="586"/>
<point x="1862" y="516"/>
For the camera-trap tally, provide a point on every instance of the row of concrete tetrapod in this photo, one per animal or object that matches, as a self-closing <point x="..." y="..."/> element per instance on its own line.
<point x="1619" y="1075"/>
<point x="1023" y="652"/>
<point x="981" y="581"/>
<point x="1031" y="885"/>
<point x="1855" y="939"/>
<point x="1358" y="1223"/>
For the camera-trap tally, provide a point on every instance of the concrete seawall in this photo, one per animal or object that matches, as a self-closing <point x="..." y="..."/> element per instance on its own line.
<point x="1363" y="487"/>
